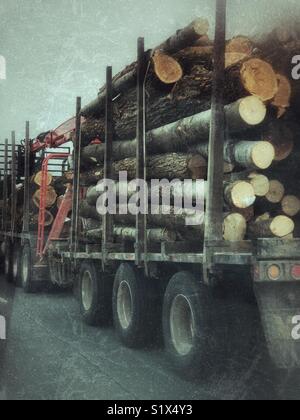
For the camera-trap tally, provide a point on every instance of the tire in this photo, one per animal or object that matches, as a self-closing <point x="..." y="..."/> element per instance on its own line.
<point x="8" y="262"/>
<point x="26" y="269"/>
<point x="188" y="325"/>
<point x="16" y="265"/>
<point x="95" y="290"/>
<point x="136" y="310"/>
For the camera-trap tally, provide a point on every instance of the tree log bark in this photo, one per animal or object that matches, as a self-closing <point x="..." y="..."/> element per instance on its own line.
<point x="170" y="166"/>
<point x="129" y="234"/>
<point x="167" y="217"/>
<point x="180" y="135"/>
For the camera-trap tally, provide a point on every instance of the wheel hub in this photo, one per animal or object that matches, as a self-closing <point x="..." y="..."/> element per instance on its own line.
<point x="87" y="291"/>
<point x="124" y="305"/>
<point x="182" y="325"/>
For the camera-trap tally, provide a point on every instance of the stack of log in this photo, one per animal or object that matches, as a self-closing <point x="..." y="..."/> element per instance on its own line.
<point x="56" y="187"/>
<point x="261" y="154"/>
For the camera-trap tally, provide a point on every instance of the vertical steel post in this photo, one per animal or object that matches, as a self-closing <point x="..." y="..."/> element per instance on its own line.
<point x="26" y="179"/>
<point x="107" y="223"/>
<point x="13" y="182"/>
<point x="5" y="186"/>
<point x="2" y="199"/>
<point x="141" y="220"/>
<point x="214" y="203"/>
<point x="76" y="180"/>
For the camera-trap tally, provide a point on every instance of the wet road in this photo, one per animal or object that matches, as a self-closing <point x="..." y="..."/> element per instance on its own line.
<point x="51" y="354"/>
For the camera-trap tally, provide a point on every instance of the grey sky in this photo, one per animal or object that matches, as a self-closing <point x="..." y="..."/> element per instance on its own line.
<point x="58" y="49"/>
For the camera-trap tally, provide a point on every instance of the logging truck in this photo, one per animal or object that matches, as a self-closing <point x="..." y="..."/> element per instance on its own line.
<point x="144" y="271"/>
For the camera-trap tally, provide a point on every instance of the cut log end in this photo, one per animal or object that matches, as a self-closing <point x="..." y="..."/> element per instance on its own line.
<point x="276" y="192"/>
<point x="282" y="226"/>
<point x="240" y="44"/>
<point x="234" y="227"/>
<point x="259" y="79"/>
<point x="51" y="197"/>
<point x="290" y="205"/>
<point x="260" y="184"/>
<point x="240" y="194"/>
<point x="166" y="68"/>
<point x="38" y="179"/>
<point x="252" y="110"/>
<point x="263" y="154"/>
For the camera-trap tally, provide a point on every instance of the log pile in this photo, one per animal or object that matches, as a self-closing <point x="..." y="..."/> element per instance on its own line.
<point x="261" y="153"/>
<point x="56" y="187"/>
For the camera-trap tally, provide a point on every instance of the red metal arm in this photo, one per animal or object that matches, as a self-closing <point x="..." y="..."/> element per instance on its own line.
<point x="42" y="210"/>
<point x="56" y="138"/>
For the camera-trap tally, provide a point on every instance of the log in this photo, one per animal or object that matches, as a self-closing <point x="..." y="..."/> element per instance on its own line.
<point x="170" y="166"/>
<point x="234" y="227"/>
<point x="247" y="154"/>
<point x="267" y="227"/>
<point x="276" y="192"/>
<point x="51" y="197"/>
<point x="242" y="115"/>
<point x="166" y="68"/>
<point x="240" y="44"/>
<point x="290" y="205"/>
<point x="259" y="79"/>
<point x="166" y="217"/>
<point x="260" y="184"/>
<point x="38" y="179"/>
<point x="240" y="194"/>
<point x="129" y="234"/>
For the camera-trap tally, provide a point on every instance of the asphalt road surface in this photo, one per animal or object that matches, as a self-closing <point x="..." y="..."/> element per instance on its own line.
<point x="50" y="354"/>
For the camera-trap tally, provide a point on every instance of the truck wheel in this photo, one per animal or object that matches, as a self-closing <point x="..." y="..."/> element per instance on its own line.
<point x="187" y="326"/>
<point x="133" y="299"/>
<point x="16" y="265"/>
<point x="26" y="269"/>
<point x="95" y="294"/>
<point x="8" y="262"/>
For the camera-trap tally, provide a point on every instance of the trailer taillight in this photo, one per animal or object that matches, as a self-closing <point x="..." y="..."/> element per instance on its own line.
<point x="295" y="272"/>
<point x="274" y="272"/>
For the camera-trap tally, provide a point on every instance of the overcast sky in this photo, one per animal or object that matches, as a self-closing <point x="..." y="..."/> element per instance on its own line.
<point x="58" y="49"/>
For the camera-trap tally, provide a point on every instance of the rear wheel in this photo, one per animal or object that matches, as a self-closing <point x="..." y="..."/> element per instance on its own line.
<point x="8" y="262"/>
<point x="26" y="269"/>
<point x="189" y="329"/>
<point x="134" y="313"/>
<point x="95" y="290"/>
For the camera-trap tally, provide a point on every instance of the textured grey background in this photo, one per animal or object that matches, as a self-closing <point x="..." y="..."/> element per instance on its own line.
<point x="58" y="49"/>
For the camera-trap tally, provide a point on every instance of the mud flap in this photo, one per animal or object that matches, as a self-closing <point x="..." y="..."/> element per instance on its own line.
<point x="279" y="305"/>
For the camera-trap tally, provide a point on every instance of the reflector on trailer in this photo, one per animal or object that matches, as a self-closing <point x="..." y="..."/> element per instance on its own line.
<point x="274" y="272"/>
<point x="296" y="272"/>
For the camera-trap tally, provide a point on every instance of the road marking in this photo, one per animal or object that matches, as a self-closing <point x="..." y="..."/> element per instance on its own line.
<point x="4" y="301"/>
